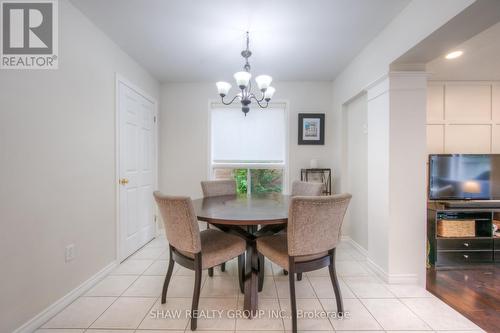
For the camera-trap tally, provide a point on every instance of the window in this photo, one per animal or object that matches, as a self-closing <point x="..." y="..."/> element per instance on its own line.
<point x="250" y="149"/>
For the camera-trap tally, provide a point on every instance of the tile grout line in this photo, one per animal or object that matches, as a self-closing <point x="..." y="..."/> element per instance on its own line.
<point x="84" y="295"/>
<point x="416" y="314"/>
<point x="277" y="296"/>
<point x="101" y="314"/>
<point x="121" y="295"/>
<point x="238" y="296"/>
<point x="319" y="301"/>
<point x="371" y="314"/>
<point x="142" y="320"/>
<point x="362" y="304"/>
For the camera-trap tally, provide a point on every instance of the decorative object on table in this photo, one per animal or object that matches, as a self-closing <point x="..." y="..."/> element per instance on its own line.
<point x="320" y="175"/>
<point x="243" y="82"/>
<point x="311" y="129"/>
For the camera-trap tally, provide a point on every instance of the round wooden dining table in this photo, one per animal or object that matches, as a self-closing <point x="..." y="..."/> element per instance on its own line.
<point x="242" y="215"/>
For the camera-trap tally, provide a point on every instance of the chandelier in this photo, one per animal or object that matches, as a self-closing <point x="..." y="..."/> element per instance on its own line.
<point x="243" y="82"/>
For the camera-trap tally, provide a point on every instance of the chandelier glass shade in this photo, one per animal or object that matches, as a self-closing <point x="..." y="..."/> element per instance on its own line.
<point x="244" y="83"/>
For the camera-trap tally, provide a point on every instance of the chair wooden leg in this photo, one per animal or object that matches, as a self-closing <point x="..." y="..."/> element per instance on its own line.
<point x="167" y="278"/>
<point x="241" y="272"/>
<point x="211" y="271"/>
<point x="335" y="283"/>
<point x="293" y="303"/>
<point x="223" y="267"/>
<point x="196" y="292"/>
<point x="262" y="263"/>
<point x="299" y="276"/>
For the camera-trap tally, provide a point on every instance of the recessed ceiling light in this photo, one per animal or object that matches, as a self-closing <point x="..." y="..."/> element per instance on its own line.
<point x="454" y="54"/>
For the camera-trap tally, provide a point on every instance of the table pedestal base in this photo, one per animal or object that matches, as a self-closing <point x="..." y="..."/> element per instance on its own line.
<point x="250" y="304"/>
<point x="252" y="269"/>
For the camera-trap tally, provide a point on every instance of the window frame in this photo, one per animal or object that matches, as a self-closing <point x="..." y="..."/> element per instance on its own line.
<point x="250" y="165"/>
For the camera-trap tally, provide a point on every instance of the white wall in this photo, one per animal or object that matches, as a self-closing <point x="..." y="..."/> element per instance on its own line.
<point x="396" y="177"/>
<point x="184" y="151"/>
<point x="407" y="183"/>
<point x="356" y="224"/>
<point x="373" y="62"/>
<point x="389" y="252"/>
<point x="463" y="117"/>
<point x="57" y="144"/>
<point x="378" y="166"/>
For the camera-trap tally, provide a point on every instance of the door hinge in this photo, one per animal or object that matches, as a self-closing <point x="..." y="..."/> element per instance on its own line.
<point x="154" y="119"/>
<point x="155" y="218"/>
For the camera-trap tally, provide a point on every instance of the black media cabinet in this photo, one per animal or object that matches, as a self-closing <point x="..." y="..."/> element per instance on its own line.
<point x="484" y="248"/>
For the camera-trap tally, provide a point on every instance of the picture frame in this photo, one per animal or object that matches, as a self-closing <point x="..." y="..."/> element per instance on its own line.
<point x="311" y="129"/>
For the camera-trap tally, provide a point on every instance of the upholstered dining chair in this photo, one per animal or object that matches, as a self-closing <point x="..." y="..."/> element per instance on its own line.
<point x="313" y="233"/>
<point x="191" y="248"/>
<point x="215" y="188"/>
<point x="306" y="188"/>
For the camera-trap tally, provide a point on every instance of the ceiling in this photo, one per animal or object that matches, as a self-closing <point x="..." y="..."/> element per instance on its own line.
<point x="193" y="40"/>
<point x="480" y="61"/>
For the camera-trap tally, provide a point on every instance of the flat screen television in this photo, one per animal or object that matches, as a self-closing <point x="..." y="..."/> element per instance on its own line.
<point x="464" y="177"/>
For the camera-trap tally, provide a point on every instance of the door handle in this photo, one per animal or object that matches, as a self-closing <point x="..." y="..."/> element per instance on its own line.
<point x="124" y="181"/>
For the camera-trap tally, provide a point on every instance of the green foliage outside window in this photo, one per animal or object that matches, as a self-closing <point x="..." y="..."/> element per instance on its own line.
<point x="266" y="180"/>
<point x="240" y="175"/>
<point x="262" y="180"/>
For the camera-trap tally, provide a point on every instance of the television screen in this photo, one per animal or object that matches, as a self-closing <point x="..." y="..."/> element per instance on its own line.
<point x="464" y="177"/>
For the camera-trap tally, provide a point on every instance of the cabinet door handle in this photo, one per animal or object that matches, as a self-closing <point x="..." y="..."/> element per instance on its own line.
<point x="466" y="256"/>
<point x="466" y="244"/>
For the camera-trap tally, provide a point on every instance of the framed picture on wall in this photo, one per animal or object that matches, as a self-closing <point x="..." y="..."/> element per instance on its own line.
<point x="311" y="129"/>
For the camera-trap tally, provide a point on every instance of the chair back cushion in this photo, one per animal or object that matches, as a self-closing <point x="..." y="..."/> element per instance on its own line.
<point x="181" y="225"/>
<point x="306" y="188"/>
<point x="314" y="223"/>
<point x="214" y="188"/>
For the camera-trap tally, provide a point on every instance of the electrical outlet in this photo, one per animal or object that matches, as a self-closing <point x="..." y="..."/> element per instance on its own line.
<point x="70" y="252"/>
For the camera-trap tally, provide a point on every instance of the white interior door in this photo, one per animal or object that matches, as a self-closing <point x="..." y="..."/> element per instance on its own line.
<point x="137" y="170"/>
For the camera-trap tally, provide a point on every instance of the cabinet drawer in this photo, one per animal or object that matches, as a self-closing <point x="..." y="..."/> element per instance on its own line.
<point x="463" y="257"/>
<point x="497" y="256"/>
<point x="464" y="244"/>
<point x="497" y="244"/>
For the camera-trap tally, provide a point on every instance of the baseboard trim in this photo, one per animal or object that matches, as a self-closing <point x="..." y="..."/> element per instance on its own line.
<point x="403" y="279"/>
<point x="356" y="245"/>
<point x="40" y="319"/>
<point x="391" y="278"/>
<point x="379" y="271"/>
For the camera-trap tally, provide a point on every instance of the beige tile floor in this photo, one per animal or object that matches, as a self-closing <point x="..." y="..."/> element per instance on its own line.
<point x="128" y="299"/>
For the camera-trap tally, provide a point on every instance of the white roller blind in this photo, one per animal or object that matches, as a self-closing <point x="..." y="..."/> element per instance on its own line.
<point x="257" y="138"/>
